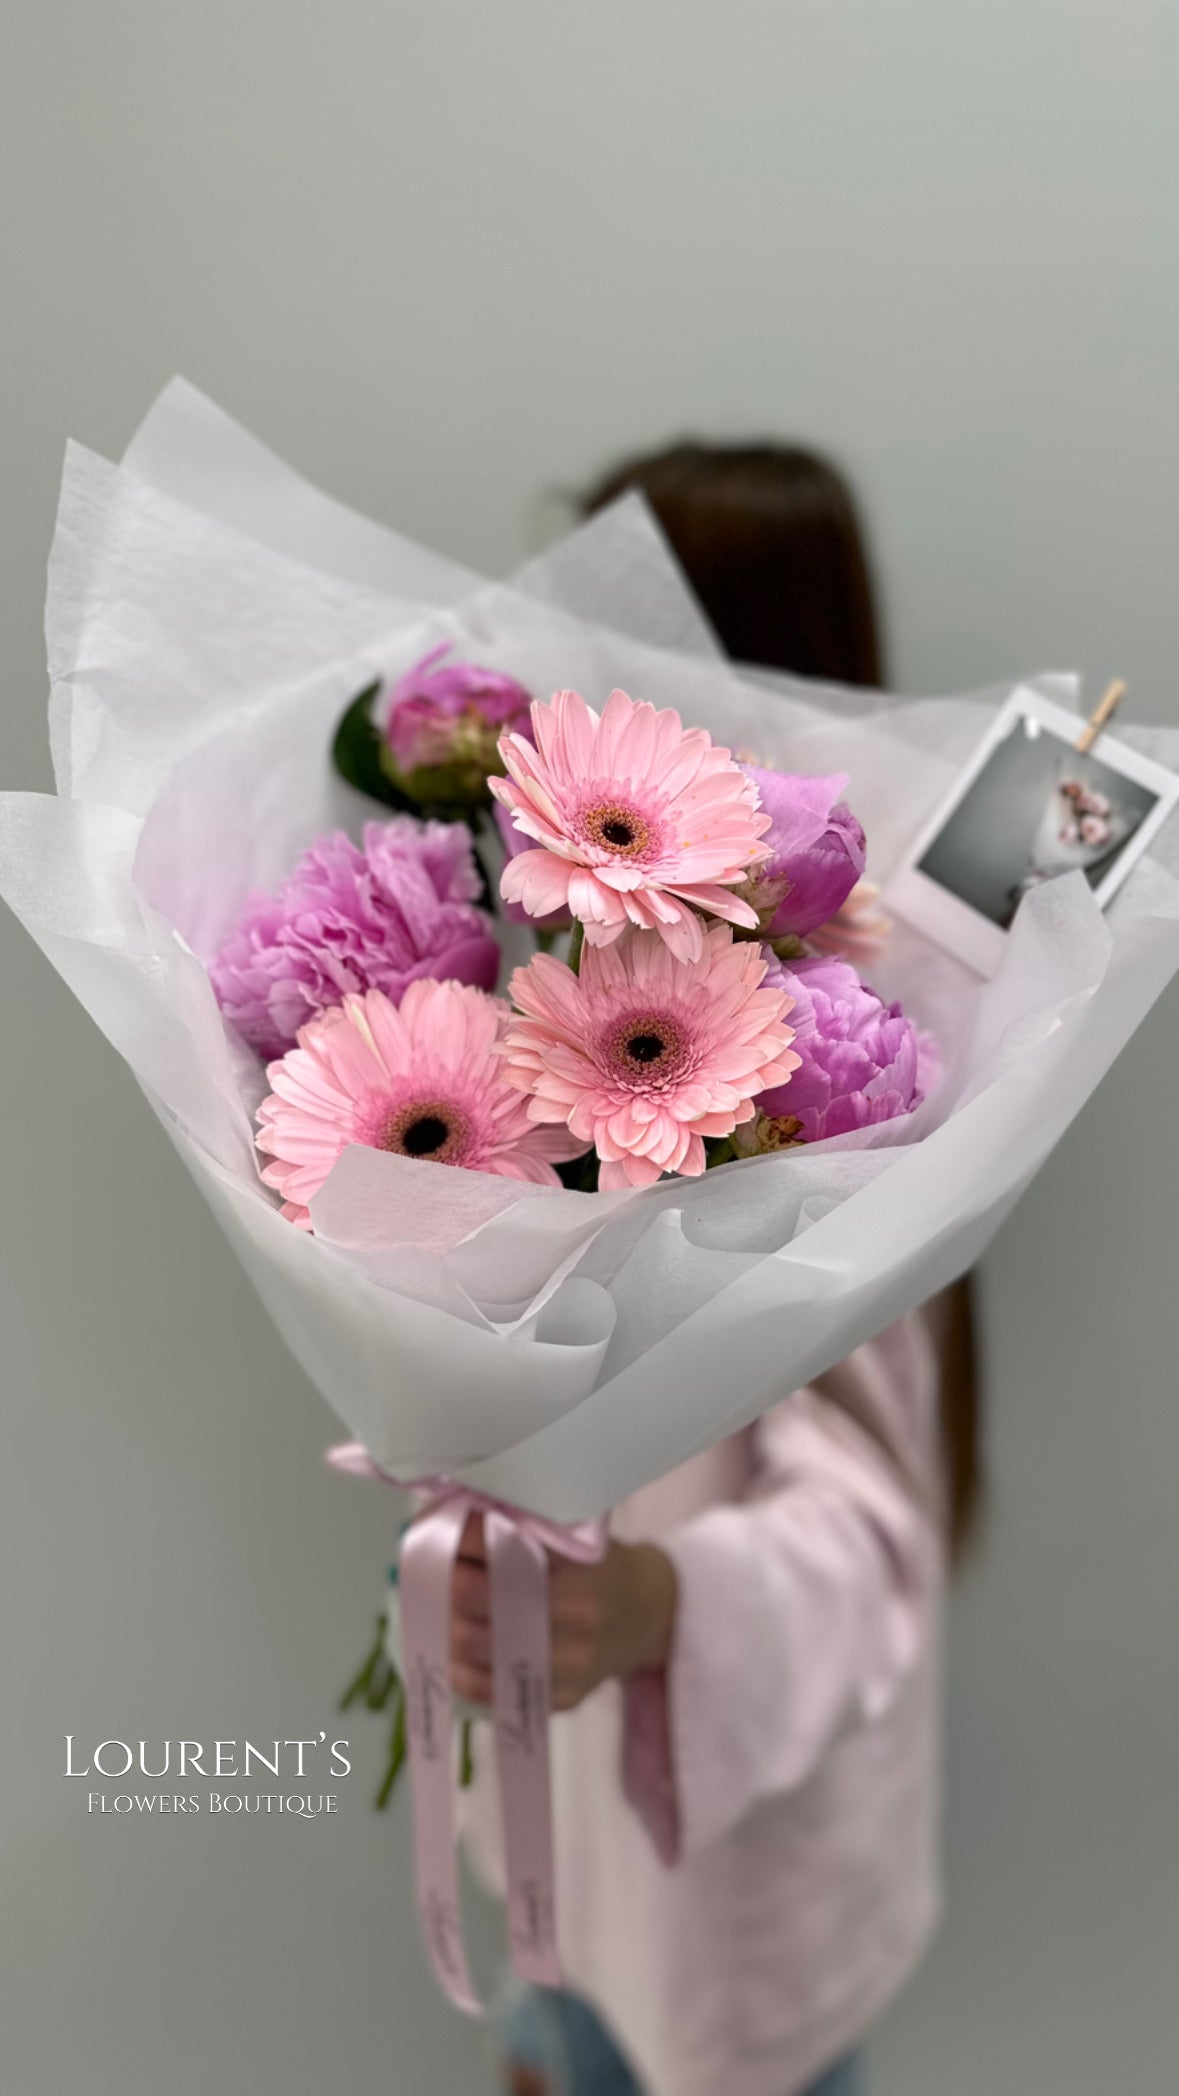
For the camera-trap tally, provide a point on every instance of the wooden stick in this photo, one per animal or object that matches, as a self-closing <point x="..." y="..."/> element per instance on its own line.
<point x="1102" y="716"/>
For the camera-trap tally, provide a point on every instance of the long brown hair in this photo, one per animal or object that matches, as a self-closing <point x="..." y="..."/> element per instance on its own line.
<point x="771" y="541"/>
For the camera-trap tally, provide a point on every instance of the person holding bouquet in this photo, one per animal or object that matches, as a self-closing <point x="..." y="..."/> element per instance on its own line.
<point x="746" y="1777"/>
<point x="316" y="971"/>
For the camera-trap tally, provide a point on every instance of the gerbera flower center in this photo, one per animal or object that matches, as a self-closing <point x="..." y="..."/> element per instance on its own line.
<point x="648" y="1048"/>
<point x="617" y="829"/>
<point x="427" y="1133"/>
<point x="645" y="1047"/>
<point x="430" y="1128"/>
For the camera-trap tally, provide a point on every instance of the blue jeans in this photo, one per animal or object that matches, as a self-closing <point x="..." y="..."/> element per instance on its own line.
<point x="561" y="2039"/>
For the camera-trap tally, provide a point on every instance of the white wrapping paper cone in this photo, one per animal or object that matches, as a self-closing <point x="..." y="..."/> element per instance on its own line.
<point x="210" y="615"/>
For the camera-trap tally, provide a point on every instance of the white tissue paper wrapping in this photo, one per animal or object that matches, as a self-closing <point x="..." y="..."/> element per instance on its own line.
<point x="210" y="615"/>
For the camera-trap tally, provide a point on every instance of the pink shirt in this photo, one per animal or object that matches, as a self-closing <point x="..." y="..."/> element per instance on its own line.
<point x="746" y="1841"/>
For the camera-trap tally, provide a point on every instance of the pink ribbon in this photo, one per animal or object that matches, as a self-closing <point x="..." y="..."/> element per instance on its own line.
<point x="516" y="1543"/>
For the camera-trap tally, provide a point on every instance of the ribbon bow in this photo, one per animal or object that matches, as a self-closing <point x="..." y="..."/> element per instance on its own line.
<point x="517" y="1543"/>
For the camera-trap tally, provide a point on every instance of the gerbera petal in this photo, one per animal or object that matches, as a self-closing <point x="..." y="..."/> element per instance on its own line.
<point x="522" y="1164"/>
<point x="590" y="902"/>
<point x="718" y="902"/>
<point x="627" y="1172"/>
<point x="538" y="880"/>
<point x="574" y="734"/>
<point x="604" y="934"/>
<point x="683" y="935"/>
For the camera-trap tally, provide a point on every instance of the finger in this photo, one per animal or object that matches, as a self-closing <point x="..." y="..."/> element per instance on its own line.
<point x="575" y="1591"/>
<point x="472" y="1683"/>
<point x="569" y="1689"/>
<point x="574" y="1610"/>
<point x="471" y="1546"/>
<point x="572" y="1673"/>
<point x="470" y="1644"/>
<point x="470" y="1592"/>
<point x="571" y="1650"/>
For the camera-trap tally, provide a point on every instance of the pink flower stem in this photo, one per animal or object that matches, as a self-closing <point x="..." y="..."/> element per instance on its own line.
<point x="576" y="942"/>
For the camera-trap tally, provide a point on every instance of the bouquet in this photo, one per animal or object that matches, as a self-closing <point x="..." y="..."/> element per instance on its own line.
<point x="542" y="1055"/>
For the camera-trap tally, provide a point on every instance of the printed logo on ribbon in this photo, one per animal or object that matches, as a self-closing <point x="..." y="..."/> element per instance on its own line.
<point x="426" y="1695"/>
<point x="531" y="1923"/>
<point x="522" y="1731"/>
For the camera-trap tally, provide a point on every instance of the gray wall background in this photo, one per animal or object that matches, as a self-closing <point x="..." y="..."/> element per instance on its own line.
<point x="444" y="257"/>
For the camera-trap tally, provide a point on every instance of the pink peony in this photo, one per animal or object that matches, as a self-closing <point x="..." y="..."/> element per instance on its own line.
<point x="860" y="1061"/>
<point x="424" y="1080"/>
<point x="636" y="820"/>
<point x="349" y="919"/>
<point x="447" y="723"/>
<point x="644" y="1054"/>
<point x="815" y="851"/>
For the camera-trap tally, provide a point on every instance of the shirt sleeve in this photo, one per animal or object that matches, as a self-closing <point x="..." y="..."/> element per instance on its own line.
<point x="802" y="1608"/>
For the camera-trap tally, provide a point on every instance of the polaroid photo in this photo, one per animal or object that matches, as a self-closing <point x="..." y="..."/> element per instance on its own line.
<point x="1028" y="807"/>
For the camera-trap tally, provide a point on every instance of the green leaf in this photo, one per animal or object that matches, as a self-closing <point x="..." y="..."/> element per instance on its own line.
<point x="444" y="793"/>
<point x="466" y="1756"/>
<point x="383" y="1681"/>
<point x="356" y="752"/>
<point x="362" y="1681"/>
<point x="580" y="1174"/>
<point x="396" y="1756"/>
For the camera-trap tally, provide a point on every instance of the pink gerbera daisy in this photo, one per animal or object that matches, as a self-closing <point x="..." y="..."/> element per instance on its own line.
<point x="636" y="819"/>
<point x="425" y="1079"/>
<point x="643" y="1054"/>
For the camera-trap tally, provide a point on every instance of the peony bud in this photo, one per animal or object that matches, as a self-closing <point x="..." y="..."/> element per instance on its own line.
<point x="815" y="847"/>
<point x="443" y="727"/>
